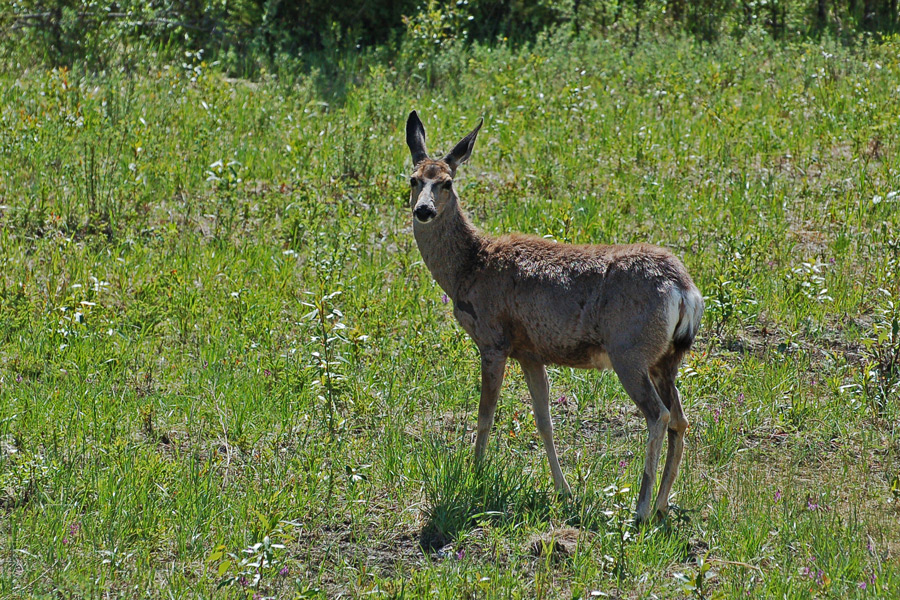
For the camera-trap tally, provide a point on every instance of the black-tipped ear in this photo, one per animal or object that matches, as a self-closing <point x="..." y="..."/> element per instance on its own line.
<point x="463" y="150"/>
<point x="415" y="138"/>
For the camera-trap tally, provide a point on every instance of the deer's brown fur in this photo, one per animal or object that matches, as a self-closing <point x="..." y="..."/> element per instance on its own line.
<point x="632" y="308"/>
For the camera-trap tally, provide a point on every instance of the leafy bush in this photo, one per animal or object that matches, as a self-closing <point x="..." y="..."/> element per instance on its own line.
<point x="252" y="35"/>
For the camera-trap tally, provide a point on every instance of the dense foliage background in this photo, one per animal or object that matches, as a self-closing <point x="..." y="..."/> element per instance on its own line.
<point x="248" y="34"/>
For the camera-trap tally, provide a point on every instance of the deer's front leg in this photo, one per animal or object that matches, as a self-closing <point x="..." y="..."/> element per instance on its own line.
<point x="492" y="368"/>
<point x="539" y="387"/>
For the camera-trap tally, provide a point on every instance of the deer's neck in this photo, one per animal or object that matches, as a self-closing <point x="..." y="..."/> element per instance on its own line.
<point x="449" y="246"/>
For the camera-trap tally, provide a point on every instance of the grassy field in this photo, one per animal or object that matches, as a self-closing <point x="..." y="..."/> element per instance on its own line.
<point x="225" y="371"/>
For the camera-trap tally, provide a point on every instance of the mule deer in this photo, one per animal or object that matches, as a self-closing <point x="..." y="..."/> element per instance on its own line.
<point x="632" y="308"/>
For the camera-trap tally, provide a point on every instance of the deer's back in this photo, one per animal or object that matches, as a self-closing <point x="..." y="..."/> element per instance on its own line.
<point x="565" y="304"/>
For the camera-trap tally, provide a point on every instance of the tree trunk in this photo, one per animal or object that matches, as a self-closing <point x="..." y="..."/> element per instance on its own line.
<point x="773" y="19"/>
<point x="639" y="6"/>
<point x="868" y="20"/>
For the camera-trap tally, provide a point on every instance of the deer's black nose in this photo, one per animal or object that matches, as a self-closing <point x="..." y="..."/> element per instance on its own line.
<point x="424" y="213"/>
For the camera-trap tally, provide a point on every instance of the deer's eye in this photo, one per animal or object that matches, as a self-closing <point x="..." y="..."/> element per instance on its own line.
<point x="446" y="185"/>
<point x="413" y="182"/>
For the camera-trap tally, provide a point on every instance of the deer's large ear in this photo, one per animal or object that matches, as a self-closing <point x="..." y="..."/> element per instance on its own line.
<point x="463" y="149"/>
<point x="415" y="138"/>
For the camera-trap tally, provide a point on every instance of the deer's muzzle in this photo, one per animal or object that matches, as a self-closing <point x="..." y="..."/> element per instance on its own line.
<point x="424" y="212"/>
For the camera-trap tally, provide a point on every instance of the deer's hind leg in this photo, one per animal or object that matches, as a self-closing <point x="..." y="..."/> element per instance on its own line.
<point x="539" y="388"/>
<point x="664" y="374"/>
<point x="636" y="381"/>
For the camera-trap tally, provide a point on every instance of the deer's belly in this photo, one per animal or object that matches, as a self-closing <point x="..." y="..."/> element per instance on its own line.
<point x="593" y="357"/>
<point x="582" y="356"/>
<point x="600" y="360"/>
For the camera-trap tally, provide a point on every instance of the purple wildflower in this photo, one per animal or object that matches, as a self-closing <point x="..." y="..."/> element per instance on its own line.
<point x="284" y="571"/>
<point x="461" y="554"/>
<point x="72" y="530"/>
<point x="810" y="505"/>
<point x="716" y="415"/>
<point x="778" y="495"/>
<point x="243" y="581"/>
<point x="267" y="372"/>
<point x="862" y="585"/>
<point x="445" y="299"/>
<point x="741" y="399"/>
<point x="18" y="379"/>
<point x="562" y="400"/>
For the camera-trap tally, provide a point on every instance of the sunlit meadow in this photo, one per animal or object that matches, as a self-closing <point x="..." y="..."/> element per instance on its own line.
<point x="225" y="372"/>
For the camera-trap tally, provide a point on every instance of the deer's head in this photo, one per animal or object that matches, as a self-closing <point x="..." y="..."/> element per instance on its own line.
<point x="431" y="184"/>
